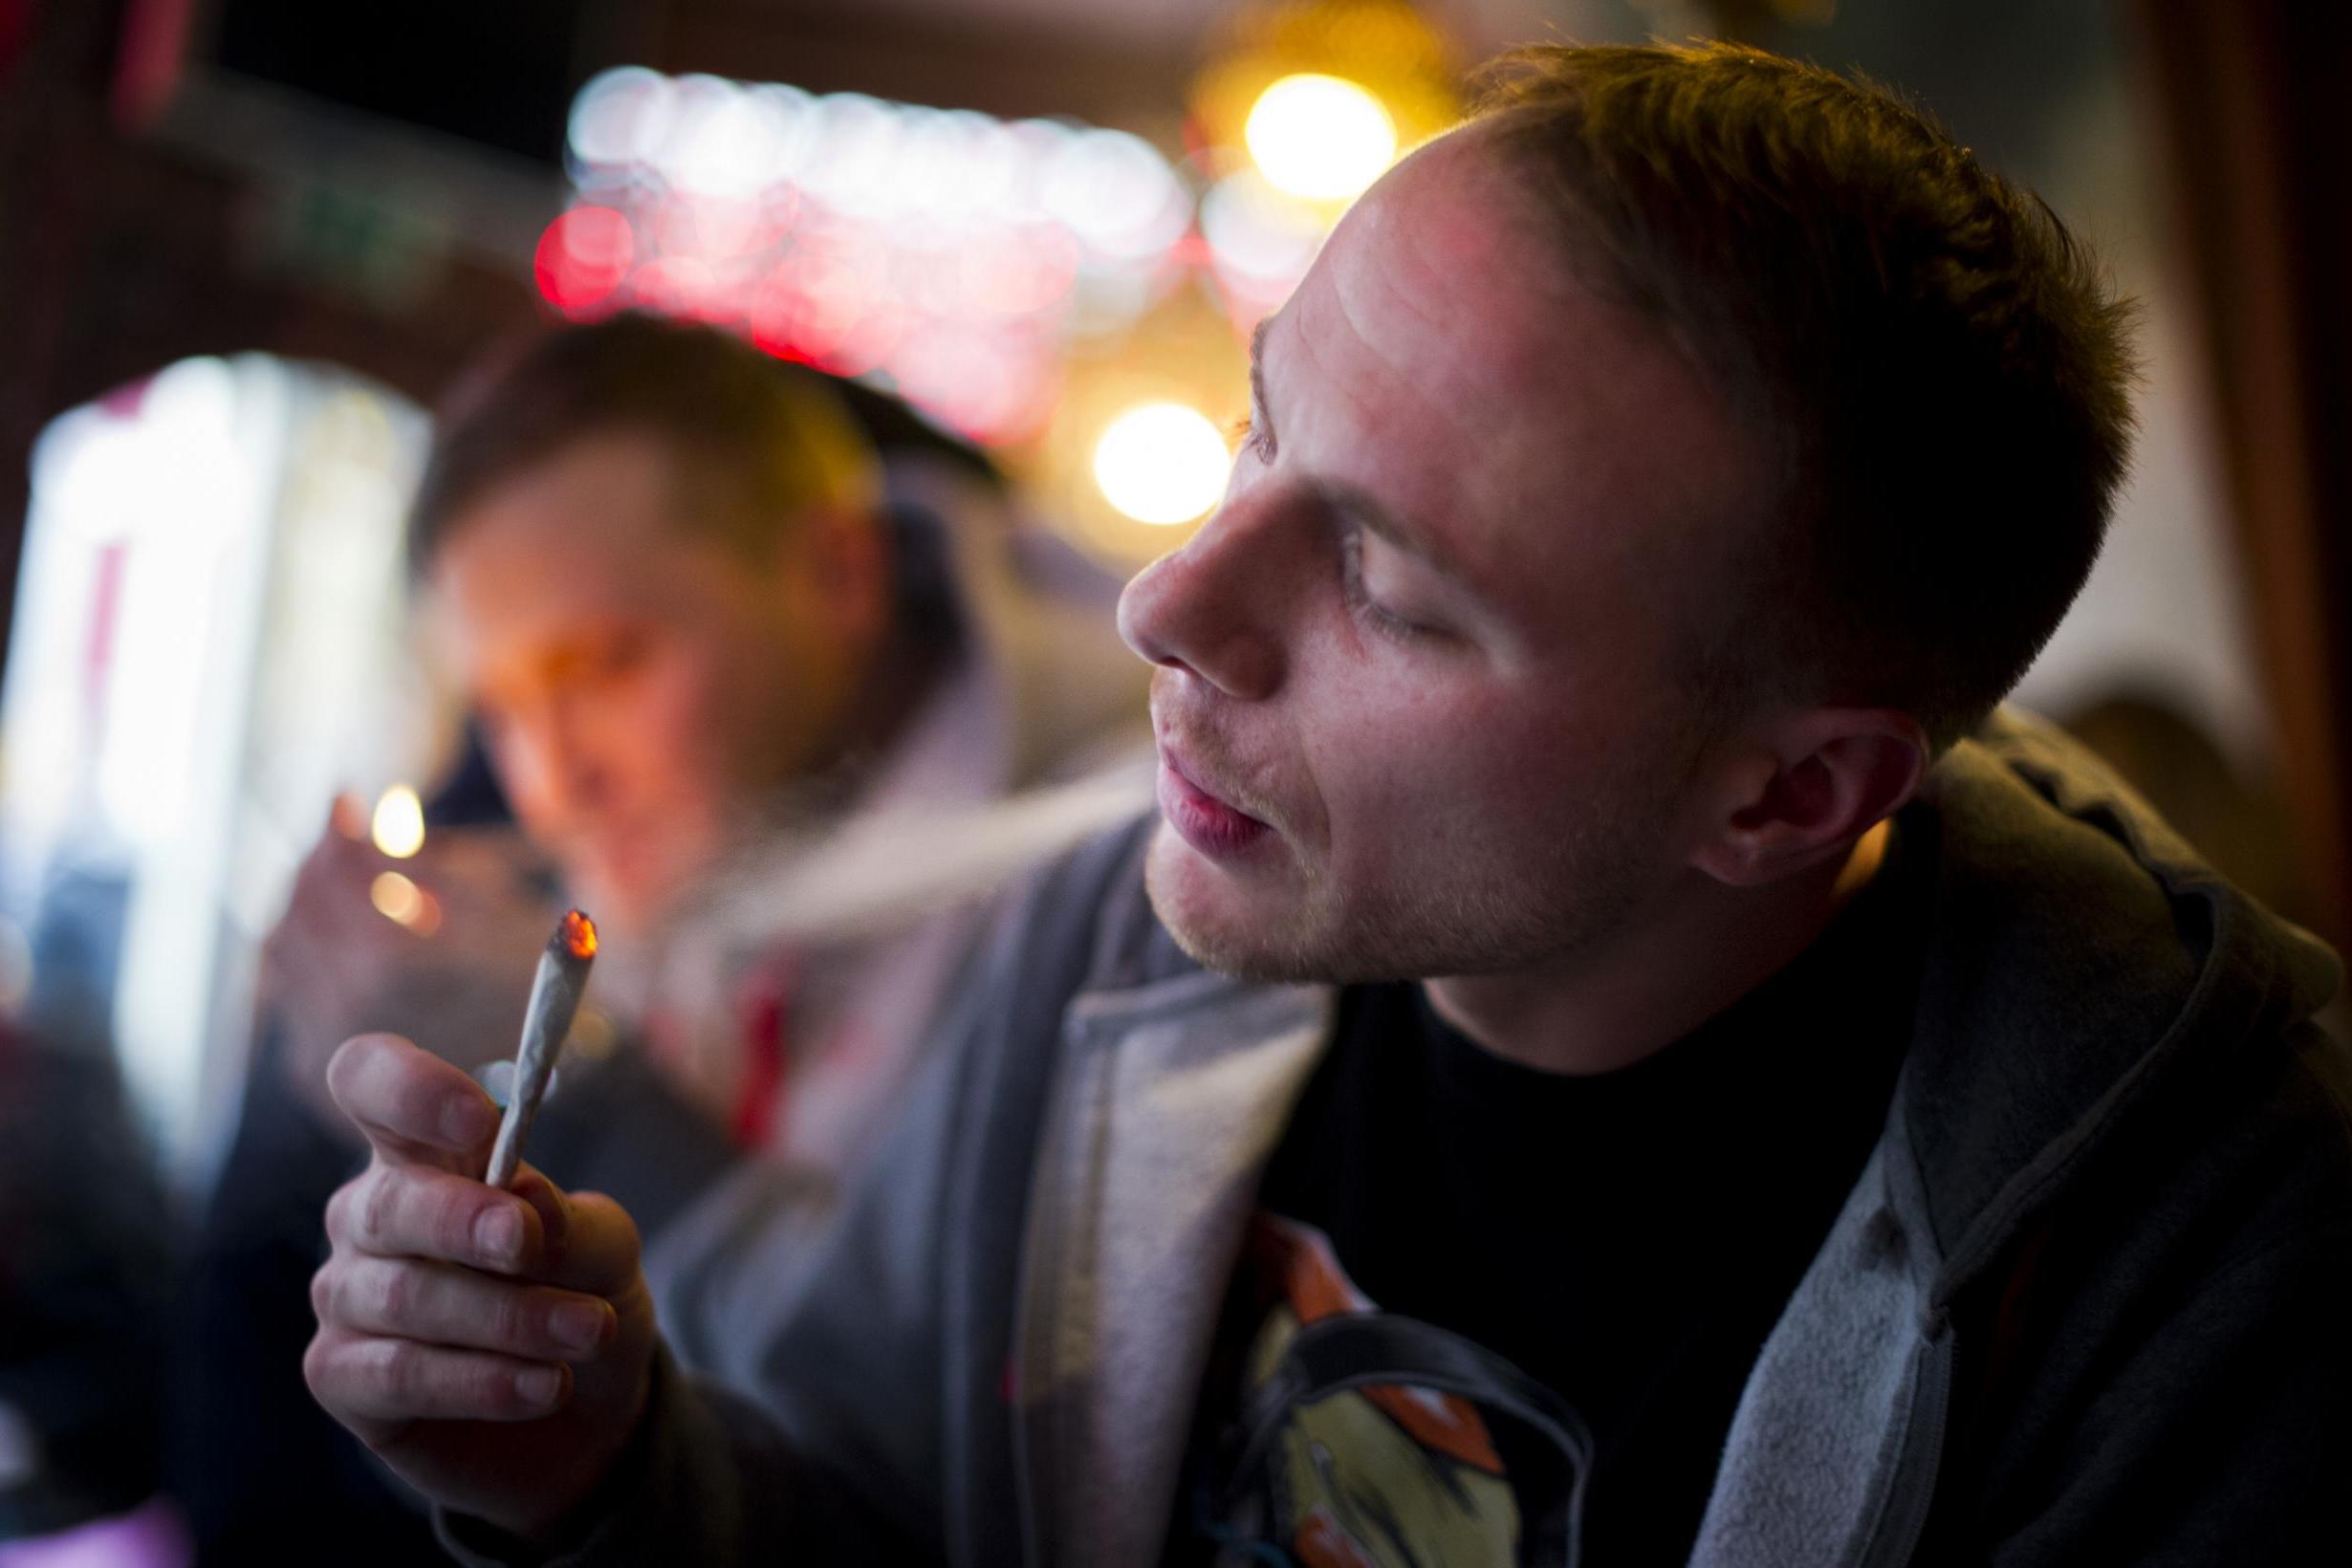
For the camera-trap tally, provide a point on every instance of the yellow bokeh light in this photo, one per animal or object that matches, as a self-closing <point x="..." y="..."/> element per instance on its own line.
<point x="1162" y="463"/>
<point x="399" y="824"/>
<point x="398" y="899"/>
<point x="1322" y="138"/>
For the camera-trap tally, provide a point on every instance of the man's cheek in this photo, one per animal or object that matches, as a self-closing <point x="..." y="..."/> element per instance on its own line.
<point x="1376" y="823"/>
<point x="674" y="719"/>
<point x="731" y="720"/>
<point x="1432" y="806"/>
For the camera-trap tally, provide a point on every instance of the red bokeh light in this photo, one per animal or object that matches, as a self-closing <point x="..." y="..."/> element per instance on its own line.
<point x="583" y="258"/>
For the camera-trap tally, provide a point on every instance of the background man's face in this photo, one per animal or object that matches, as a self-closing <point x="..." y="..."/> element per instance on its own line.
<point x="1425" y="652"/>
<point x="644" y="689"/>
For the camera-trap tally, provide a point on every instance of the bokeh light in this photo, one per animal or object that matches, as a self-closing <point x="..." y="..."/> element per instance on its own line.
<point x="1260" y="242"/>
<point x="583" y="258"/>
<point x="1320" y="137"/>
<point x="956" y="258"/>
<point x="397" y="826"/>
<point x="619" y="119"/>
<point x="1162" y="463"/>
<point x="403" y="902"/>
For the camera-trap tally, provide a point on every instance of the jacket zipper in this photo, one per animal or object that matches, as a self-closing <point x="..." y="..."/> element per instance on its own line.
<point x="1032" y="1467"/>
<point x="1913" y="1488"/>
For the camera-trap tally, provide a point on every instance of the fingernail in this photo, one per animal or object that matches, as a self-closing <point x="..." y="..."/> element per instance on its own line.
<point x="498" y="1237"/>
<point x="539" y="1387"/>
<point x="577" y="1326"/>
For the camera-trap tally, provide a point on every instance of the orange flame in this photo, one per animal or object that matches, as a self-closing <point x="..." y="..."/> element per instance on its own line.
<point x="579" y="934"/>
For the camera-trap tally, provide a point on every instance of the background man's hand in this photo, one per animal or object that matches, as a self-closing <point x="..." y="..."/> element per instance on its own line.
<point x="458" y="970"/>
<point x="493" y="1348"/>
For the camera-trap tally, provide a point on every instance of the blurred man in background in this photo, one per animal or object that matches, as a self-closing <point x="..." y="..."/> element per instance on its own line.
<point x="701" y="625"/>
<point x="1613" y="1052"/>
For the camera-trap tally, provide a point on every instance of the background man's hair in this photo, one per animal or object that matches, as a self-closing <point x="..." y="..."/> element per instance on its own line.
<point x="756" y="440"/>
<point x="1942" y="374"/>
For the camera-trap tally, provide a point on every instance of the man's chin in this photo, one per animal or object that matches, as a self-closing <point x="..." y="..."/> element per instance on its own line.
<point x="626" y="905"/>
<point x="1219" y="923"/>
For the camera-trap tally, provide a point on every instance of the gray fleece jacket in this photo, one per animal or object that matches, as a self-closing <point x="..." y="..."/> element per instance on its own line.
<point x="2089" y="1303"/>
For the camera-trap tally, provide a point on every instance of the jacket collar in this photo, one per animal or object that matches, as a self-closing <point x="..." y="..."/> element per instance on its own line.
<point x="1171" y="1098"/>
<point x="2083" y="963"/>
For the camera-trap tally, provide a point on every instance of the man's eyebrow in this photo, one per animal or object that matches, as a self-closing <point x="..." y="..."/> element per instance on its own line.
<point x="1360" y="509"/>
<point x="1392" y="530"/>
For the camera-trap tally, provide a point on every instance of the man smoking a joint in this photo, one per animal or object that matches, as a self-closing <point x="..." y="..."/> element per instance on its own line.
<point x="1609" y="1052"/>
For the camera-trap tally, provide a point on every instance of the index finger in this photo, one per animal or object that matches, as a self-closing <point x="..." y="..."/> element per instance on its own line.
<point x="412" y="1106"/>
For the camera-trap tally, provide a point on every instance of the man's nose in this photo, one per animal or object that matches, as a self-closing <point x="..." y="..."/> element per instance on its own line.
<point x="550" y="773"/>
<point x="1208" y="607"/>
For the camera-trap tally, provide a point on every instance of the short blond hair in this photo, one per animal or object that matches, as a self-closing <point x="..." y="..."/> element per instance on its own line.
<point x="1941" y="370"/>
<point x="765" y="441"/>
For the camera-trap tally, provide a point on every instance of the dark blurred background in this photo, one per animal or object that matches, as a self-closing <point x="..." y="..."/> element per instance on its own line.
<point x="246" y="244"/>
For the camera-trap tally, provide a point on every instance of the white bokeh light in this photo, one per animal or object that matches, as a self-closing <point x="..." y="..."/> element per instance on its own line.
<point x="397" y="826"/>
<point x="1323" y="138"/>
<point x="1162" y="463"/>
<point x="620" y="118"/>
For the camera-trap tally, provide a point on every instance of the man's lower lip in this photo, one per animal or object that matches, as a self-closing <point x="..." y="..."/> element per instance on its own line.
<point x="1206" y="823"/>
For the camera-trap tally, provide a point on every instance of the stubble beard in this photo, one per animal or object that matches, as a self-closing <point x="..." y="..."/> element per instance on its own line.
<point x="1507" y="909"/>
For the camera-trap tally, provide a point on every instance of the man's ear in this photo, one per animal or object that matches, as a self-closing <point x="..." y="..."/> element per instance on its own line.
<point x="1804" y="790"/>
<point x="847" y="556"/>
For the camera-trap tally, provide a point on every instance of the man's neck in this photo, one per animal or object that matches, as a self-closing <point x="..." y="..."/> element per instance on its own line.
<point x="898" y="680"/>
<point x="1614" y="1009"/>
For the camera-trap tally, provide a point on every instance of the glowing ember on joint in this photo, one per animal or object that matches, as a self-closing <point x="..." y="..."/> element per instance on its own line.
<point x="579" y="934"/>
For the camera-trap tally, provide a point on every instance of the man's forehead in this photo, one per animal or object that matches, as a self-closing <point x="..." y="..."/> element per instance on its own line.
<point x="587" y="534"/>
<point x="1441" y="258"/>
<point x="1483" y="383"/>
<point x="1433" y="311"/>
<point x="1448" y="208"/>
